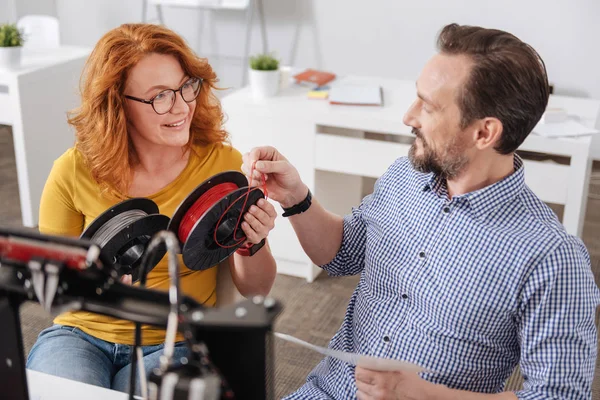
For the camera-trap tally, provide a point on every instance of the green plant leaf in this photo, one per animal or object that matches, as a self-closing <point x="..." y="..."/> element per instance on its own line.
<point x="264" y="62"/>
<point x="10" y="36"/>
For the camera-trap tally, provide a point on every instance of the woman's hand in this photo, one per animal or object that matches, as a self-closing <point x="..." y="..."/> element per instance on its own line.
<point x="258" y="221"/>
<point x="255" y="275"/>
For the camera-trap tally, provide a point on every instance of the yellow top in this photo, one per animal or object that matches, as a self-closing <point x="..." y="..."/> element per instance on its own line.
<point x="71" y="200"/>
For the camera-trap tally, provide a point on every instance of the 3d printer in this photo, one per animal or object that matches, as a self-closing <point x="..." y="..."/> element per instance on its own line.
<point x="232" y="347"/>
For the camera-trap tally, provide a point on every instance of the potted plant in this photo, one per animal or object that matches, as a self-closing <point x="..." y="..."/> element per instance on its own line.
<point x="264" y="75"/>
<point x="11" y="43"/>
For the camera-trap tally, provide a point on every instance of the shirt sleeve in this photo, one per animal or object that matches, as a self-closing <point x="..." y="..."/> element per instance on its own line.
<point x="350" y="258"/>
<point x="234" y="159"/>
<point x="557" y="326"/>
<point x="58" y="214"/>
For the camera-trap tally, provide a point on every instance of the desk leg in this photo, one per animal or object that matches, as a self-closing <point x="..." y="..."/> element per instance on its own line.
<point x="577" y="194"/>
<point x="40" y="102"/>
<point x="20" y="154"/>
<point x="315" y="271"/>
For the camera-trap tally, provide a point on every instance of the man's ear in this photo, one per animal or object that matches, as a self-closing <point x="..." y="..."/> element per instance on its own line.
<point x="488" y="133"/>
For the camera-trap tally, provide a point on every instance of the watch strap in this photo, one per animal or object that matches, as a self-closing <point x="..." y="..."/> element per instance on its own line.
<point x="300" y="207"/>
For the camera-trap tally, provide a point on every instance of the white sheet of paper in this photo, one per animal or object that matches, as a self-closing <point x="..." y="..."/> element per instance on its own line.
<point x="369" y="362"/>
<point x="566" y="128"/>
<point x="358" y="95"/>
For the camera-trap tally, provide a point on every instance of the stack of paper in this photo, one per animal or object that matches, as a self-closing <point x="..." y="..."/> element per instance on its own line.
<point x="566" y="128"/>
<point x="356" y="95"/>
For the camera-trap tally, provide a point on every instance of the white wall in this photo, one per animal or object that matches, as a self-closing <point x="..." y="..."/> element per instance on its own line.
<point x="45" y="7"/>
<point x="395" y="37"/>
<point x="7" y="11"/>
<point x="391" y="38"/>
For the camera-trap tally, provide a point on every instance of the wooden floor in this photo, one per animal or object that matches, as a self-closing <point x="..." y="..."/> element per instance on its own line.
<point x="312" y="312"/>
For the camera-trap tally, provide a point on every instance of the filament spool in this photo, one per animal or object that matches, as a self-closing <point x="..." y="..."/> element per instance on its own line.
<point x="216" y="233"/>
<point x="123" y="232"/>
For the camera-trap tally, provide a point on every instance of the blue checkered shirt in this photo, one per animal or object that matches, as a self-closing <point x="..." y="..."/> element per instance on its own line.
<point x="467" y="287"/>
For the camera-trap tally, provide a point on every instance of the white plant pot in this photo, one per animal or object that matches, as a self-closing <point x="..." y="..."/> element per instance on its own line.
<point x="10" y="57"/>
<point x="264" y="84"/>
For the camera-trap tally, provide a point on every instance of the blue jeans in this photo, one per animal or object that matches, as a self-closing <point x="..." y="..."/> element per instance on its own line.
<point x="70" y="353"/>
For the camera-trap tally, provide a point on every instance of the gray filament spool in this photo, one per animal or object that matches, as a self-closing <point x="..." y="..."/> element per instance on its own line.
<point x="115" y="225"/>
<point x="123" y="231"/>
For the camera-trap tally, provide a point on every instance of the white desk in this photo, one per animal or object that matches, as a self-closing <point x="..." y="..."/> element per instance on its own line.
<point x="333" y="165"/>
<point x="40" y="93"/>
<point x="48" y="387"/>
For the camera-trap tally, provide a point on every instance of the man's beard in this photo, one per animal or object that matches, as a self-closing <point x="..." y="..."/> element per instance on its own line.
<point x="447" y="163"/>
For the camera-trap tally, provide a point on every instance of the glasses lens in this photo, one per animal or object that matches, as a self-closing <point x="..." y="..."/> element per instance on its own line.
<point x="190" y="90"/>
<point x="164" y="101"/>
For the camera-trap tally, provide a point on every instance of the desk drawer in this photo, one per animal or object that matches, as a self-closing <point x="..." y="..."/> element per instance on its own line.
<point x="356" y="156"/>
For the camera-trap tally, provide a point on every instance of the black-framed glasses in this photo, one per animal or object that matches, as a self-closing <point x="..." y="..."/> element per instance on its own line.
<point x="164" y="101"/>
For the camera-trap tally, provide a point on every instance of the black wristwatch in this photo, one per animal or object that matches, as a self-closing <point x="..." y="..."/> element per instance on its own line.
<point x="300" y="207"/>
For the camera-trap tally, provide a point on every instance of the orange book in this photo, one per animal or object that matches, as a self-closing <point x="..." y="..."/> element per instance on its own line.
<point x="314" y="78"/>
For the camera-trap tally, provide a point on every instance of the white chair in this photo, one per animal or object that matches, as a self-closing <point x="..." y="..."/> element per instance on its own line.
<point x="215" y="5"/>
<point x="40" y="31"/>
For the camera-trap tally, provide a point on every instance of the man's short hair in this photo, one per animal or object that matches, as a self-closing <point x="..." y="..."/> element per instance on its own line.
<point x="508" y="81"/>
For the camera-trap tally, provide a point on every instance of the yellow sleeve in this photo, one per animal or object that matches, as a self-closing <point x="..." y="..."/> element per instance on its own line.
<point x="236" y="160"/>
<point x="58" y="215"/>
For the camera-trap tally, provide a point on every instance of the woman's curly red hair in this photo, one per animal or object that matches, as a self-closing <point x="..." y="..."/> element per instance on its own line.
<point x="100" y="121"/>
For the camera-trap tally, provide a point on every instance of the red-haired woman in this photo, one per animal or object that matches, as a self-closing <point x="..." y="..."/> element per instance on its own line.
<point x="148" y="126"/>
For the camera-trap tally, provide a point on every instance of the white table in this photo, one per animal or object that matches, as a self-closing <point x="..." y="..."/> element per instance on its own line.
<point x="48" y="387"/>
<point x="334" y="146"/>
<point x="40" y="93"/>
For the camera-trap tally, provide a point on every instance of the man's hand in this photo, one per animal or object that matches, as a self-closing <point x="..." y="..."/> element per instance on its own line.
<point x="375" y="385"/>
<point x="282" y="179"/>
